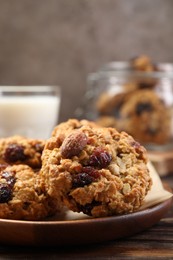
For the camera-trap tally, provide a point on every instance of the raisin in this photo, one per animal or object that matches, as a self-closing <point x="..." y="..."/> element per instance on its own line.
<point x="14" y="153"/>
<point x="87" y="208"/>
<point x="143" y="107"/>
<point x="26" y="205"/>
<point x="100" y="158"/>
<point x="5" y="192"/>
<point x="138" y="149"/>
<point x="136" y="145"/>
<point x="86" y="177"/>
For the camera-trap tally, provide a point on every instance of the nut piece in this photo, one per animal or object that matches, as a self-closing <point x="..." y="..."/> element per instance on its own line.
<point x="73" y="144"/>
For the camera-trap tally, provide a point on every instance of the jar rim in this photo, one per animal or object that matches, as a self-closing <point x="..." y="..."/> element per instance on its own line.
<point x="122" y="68"/>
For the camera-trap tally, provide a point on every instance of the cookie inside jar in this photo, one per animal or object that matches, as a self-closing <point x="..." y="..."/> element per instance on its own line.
<point x="137" y="97"/>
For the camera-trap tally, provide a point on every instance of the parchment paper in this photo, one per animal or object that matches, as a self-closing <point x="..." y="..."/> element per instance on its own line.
<point x="157" y="194"/>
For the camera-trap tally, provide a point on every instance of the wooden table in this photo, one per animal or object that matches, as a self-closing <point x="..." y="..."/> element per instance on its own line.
<point x="154" y="243"/>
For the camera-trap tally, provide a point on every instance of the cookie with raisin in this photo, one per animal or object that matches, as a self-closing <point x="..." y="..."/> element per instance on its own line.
<point x="145" y="116"/>
<point x="22" y="195"/>
<point x="95" y="170"/>
<point x="21" y="150"/>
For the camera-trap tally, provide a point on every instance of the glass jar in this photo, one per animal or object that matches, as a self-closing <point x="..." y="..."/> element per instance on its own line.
<point x="138" y="102"/>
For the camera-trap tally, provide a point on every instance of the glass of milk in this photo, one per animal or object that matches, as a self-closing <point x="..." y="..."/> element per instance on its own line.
<point x="31" y="111"/>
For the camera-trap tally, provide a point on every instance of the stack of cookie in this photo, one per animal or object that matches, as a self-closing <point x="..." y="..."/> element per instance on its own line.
<point x="22" y="194"/>
<point x="82" y="167"/>
<point x="140" y="103"/>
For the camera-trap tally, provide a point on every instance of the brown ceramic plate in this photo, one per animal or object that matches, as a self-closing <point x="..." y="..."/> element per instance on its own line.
<point x="75" y="229"/>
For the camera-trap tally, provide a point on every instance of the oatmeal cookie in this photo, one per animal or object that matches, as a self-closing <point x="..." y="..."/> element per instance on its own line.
<point x="21" y="150"/>
<point x="144" y="109"/>
<point x="95" y="170"/>
<point x="145" y="116"/>
<point x="22" y="195"/>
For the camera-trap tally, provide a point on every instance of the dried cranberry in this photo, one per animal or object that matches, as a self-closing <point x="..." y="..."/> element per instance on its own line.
<point x="86" y="177"/>
<point x="14" y="153"/>
<point x="136" y="145"/>
<point x="9" y="177"/>
<point x="100" y="158"/>
<point x="5" y="192"/>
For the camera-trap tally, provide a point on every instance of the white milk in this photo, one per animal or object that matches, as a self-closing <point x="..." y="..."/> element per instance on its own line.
<point x="31" y="116"/>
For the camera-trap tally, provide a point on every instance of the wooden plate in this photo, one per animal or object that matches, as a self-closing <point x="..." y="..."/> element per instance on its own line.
<point x="75" y="229"/>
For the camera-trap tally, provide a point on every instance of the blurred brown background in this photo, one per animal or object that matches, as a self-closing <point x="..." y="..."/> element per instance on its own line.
<point x="60" y="41"/>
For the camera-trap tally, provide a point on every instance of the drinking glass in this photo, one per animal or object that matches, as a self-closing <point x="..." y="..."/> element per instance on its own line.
<point x="30" y="111"/>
